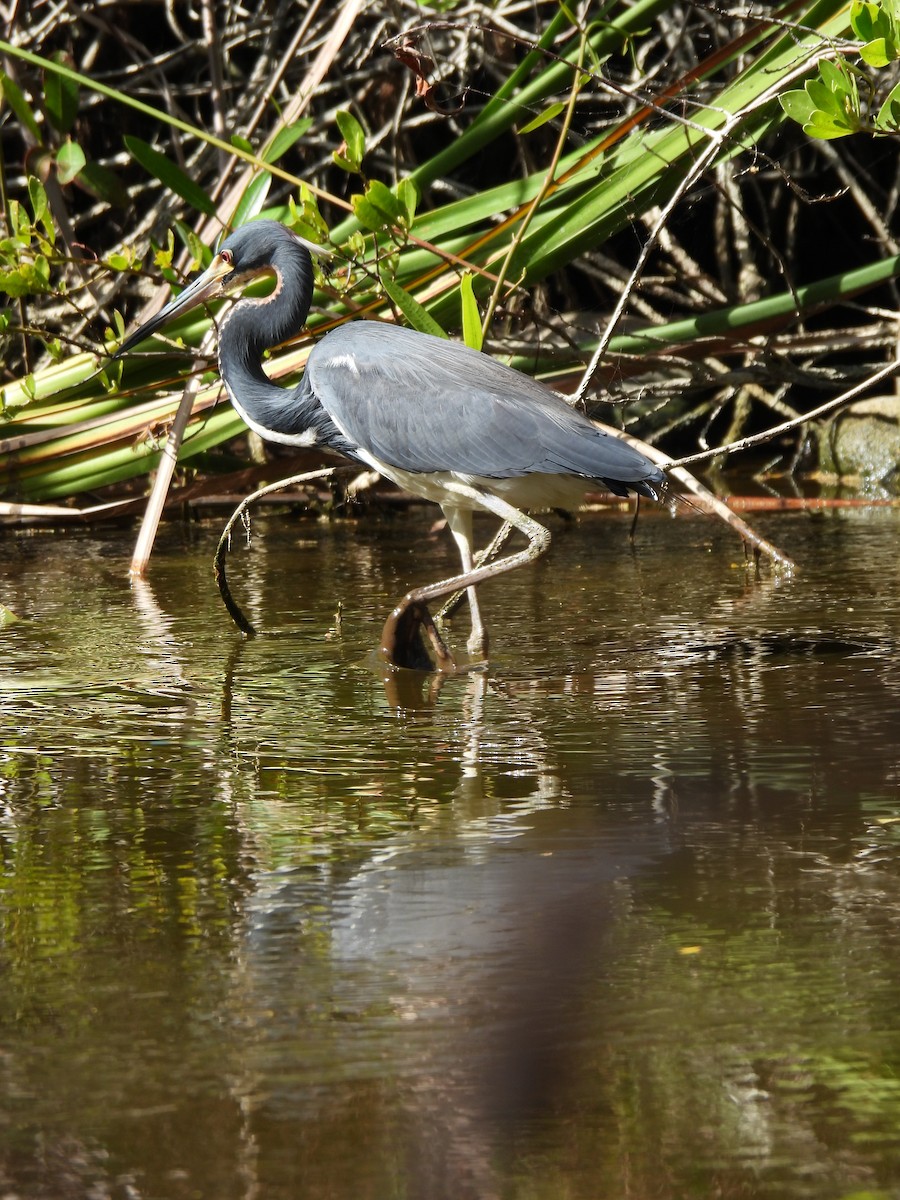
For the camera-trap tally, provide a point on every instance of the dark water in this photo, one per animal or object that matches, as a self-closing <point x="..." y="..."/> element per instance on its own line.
<point x="619" y="919"/>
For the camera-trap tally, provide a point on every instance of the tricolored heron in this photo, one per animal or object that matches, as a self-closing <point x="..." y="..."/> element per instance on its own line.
<point x="440" y="420"/>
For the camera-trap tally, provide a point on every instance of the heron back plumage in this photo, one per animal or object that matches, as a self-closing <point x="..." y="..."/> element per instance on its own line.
<point x="422" y="404"/>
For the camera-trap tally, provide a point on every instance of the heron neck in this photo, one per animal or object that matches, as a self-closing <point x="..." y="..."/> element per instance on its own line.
<point x="258" y="323"/>
<point x="290" y="415"/>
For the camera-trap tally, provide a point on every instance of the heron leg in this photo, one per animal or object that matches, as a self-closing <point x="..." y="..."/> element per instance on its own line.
<point x="538" y="541"/>
<point x="490" y="552"/>
<point x="460" y="522"/>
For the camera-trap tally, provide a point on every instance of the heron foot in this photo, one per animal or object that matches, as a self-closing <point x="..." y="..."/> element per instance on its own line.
<point x="411" y="639"/>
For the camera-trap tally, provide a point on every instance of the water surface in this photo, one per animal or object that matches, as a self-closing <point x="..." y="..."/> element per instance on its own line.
<point x="617" y="918"/>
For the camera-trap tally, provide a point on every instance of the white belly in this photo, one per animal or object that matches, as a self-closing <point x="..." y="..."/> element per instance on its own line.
<point x="532" y="492"/>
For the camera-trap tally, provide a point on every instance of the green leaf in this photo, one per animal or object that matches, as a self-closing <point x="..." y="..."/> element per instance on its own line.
<point x="877" y="53"/>
<point x="828" y="106"/>
<point x="379" y="208"/>
<point x="408" y="195"/>
<point x="200" y="253"/>
<point x="241" y="143"/>
<point x="824" y="98"/>
<point x="356" y="245"/>
<point x="20" y="225"/>
<point x="863" y="19"/>
<point x="26" y="278"/>
<point x="253" y="199"/>
<point x="170" y="174"/>
<point x="888" y="118"/>
<point x="354" y="141"/>
<point x="417" y="316"/>
<point x="40" y="206"/>
<point x="368" y="215"/>
<point x="471" y="317"/>
<point x="163" y="255"/>
<point x="550" y="113"/>
<point x="284" y="139"/>
<point x="306" y="219"/>
<point x="7" y="616"/>
<point x="797" y="105"/>
<point x="60" y="97"/>
<point x="835" y="74"/>
<point x="15" y="98"/>
<point x="70" y="160"/>
<point x="823" y="125"/>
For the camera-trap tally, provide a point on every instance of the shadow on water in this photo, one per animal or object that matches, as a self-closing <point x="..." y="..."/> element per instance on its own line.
<point x="617" y="917"/>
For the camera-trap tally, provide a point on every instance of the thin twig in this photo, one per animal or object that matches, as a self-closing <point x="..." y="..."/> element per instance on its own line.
<point x="167" y="464"/>
<point x="717" y="138"/>
<point x="234" y="609"/>
<point x="543" y="190"/>
<point x="758" y="439"/>
<point x="710" y="501"/>
<point x="347" y="14"/>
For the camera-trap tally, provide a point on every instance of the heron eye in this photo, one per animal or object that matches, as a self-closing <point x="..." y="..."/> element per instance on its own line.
<point x="225" y="256"/>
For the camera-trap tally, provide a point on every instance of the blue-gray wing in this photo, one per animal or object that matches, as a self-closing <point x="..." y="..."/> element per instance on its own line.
<point x="424" y="404"/>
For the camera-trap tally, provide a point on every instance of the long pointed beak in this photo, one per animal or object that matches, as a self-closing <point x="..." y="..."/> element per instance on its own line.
<point x="212" y="282"/>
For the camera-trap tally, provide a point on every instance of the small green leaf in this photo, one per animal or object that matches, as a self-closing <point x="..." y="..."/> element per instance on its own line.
<point x="354" y="141"/>
<point x="834" y="74"/>
<point x="20" y="222"/>
<point x="61" y="97"/>
<point x="306" y="219"/>
<point x="471" y="318"/>
<point x="163" y="255"/>
<point x="889" y="114"/>
<point x="15" y="98"/>
<point x="40" y="206"/>
<point x="200" y="253"/>
<point x="797" y="105"/>
<point x="356" y="245"/>
<point x="241" y="143"/>
<point x="170" y="174"/>
<point x="549" y="114"/>
<point x="824" y="98"/>
<point x="863" y="18"/>
<point x="70" y="160"/>
<point x="119" y="332"/>
<point x="284" y="139"/>
<point x="368" y="215"/>
<point x="26" y="278"/>
<point x="417" y="316"/>
<point x="379" y="208"/>
<point x="408" y="195"/>
<point x="825" y="126"/>
<point x="876" y="53"/>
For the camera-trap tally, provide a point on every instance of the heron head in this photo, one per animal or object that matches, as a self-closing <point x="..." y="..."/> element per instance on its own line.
<point x="251" y="251"/>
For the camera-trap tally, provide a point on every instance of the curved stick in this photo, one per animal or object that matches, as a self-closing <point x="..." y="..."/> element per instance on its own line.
<point x="234" y="610"/>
